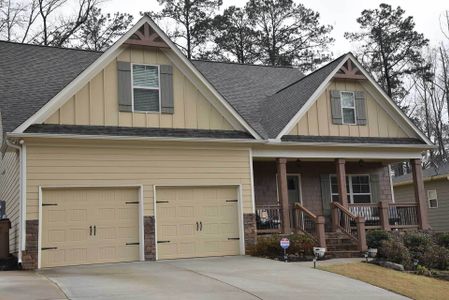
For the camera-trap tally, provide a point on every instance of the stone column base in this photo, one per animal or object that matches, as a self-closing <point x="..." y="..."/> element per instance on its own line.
<point x="149" y="235"/>
<point x="249" y="223"/>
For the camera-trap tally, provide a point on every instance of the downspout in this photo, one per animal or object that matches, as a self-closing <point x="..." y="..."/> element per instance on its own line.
<point x="22" y="153"/>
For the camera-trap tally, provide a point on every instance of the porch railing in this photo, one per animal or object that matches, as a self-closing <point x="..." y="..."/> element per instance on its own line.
<point x="387" y="215"/>
<point x="403" y="215"/>
<point x="310" y="224"/>
<point x="350" y="224"/>
<point x="268" y="219"/>
<point x="370" y="212"/>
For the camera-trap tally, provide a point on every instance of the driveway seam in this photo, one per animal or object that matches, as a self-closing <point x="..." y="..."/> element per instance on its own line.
<point x="55" y="283"/>
<point x="216" y="279"/>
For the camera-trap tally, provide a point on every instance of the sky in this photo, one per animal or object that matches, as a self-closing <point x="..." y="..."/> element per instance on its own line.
<point x="341" y="14"/>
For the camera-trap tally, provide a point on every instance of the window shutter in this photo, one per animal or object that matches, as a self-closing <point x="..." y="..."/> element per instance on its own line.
<point x="326" y="194"/>
<point x="375" y="187"/>
<point x="166" y="78"/>
<point x="360" y="108"/>
<point x="124" y="86"/>
<point x="336" y="107"/>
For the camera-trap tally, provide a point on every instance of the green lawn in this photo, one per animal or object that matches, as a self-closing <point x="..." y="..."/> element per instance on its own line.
<point x="412" y="286"/>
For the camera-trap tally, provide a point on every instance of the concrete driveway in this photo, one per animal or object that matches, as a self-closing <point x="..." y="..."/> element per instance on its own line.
<point x="209" y="278"/>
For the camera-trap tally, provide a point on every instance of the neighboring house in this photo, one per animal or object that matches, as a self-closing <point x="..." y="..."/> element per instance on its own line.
<point x="140" y="154"/>
<point x="436" y="185"/>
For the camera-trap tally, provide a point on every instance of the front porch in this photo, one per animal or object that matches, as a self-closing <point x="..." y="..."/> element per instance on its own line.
<point x="323" y="198"/>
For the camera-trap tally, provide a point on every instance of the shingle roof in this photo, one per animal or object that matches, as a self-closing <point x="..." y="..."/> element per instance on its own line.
<point x="246" y="87"/>
<point x="279" y="108"/>
<point x="427" y="173"/>
<point x="266" y="97"/>
<point x="32" y="75"/>
<point x="135" y="131"/>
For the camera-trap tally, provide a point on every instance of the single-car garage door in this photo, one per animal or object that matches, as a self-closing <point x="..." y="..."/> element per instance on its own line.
<point x="197" y="222"/>
<point x="91" y="225"/>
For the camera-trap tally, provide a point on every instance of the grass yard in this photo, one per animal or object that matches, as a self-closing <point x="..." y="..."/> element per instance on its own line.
<point x="412" y="286"/>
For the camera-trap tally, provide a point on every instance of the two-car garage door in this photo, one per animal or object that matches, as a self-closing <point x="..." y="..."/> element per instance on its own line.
<point x="99" y="225"/>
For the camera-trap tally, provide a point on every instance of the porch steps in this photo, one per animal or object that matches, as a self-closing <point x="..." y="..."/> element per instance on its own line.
<point x="339" y="245"/>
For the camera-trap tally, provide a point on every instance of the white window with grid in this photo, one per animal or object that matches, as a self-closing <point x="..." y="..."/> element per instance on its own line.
<point x="432" y="197"/>
<point x="357" y="186"/>
<point x="348" y="108"/>
<point x="146" y="88"/>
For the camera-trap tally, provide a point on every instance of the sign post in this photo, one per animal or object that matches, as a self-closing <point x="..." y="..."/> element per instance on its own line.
<point x="285" y="243"/>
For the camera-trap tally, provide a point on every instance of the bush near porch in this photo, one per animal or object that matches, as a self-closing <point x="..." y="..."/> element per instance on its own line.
<point x="429" y="250"/>
<point x="301" y="246"/>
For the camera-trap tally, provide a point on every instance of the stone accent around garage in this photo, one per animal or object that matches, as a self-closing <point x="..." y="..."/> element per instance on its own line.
<point x="149" y="238"/>
<point x="29" y="256"/>
<point x="249" y="223"/>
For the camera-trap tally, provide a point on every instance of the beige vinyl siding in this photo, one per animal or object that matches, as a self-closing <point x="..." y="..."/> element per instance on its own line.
<point x="102" y="163"/>
<point x="10" y="192"/>
<point x="438" y="217"/>
<point x="318" y="119"/>
<point x="97" y="103"/>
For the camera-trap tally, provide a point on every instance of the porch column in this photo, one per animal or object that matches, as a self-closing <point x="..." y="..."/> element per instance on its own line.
<point x="281" y="164"/>
<point x="341" y="181"/>
<point x="420" y="194"/>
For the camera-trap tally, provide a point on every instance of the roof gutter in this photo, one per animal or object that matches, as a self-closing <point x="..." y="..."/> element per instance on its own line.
<point x="22" y="195"/>
<point x="272" y="142"/>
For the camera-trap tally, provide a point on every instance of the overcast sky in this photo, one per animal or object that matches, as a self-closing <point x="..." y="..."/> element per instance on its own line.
<point x="341" y="14"/>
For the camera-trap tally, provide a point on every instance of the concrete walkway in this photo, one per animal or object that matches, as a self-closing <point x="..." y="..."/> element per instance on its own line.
<point x="209" y="278"/>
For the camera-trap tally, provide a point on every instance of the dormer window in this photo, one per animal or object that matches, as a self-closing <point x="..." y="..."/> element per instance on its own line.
<point x="146" y="93"/>
<point x="348" y="109"/>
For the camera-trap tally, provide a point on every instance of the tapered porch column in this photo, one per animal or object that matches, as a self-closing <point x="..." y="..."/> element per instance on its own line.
<point x="420" y="195"/>
<point x="341" y="181"/>
<point x="281" y="164"/>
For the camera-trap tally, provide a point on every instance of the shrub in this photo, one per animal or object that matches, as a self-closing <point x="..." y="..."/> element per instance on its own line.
<point x="395" y="251"/>
<point x="421" y="270"/>
<point x="268" y="246"/>
<point x="435" y="257"/>
<point x="442" y="239"/>
<point x="417" y="241"/>
<point x="374" y="237"/>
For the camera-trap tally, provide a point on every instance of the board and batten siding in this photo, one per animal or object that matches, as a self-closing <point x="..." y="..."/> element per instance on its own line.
<point x="97" y="102"/>
<point x="438" y="217"/>
<point x="102" y="163"/>
<point x="10" y="192"/>
<point x="317" y="121"/>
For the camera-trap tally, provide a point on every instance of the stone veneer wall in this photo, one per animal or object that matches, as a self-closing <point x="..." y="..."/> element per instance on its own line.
<point x="29" y="256"/>
<point x="249" y="223"/>
<point x="149" y="235"/>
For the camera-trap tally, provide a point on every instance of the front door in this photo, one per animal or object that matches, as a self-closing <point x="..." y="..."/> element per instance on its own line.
<point x="294" y="189"/>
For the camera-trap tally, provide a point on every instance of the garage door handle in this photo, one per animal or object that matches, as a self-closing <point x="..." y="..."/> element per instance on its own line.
<point x="90" y="230"/>
<point x="201" y="226"/>
<point x="95" y="230"/>
<point x="197" y="226"/>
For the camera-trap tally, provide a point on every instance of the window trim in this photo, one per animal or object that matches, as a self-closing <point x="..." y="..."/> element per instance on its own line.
<point x="145" y="88"/>
<point x="354" y="107"/>
<point x="350" y="192"/>
<point x="436" y="199"/>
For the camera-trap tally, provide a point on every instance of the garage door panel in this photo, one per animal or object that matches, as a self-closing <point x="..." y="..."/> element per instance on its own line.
<point x="178" y="211"/>
<point x="66" y="231"/>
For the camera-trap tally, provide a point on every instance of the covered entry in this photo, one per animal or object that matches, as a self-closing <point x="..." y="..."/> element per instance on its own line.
<point x="197" y="222"/>
<point x="89" y="225"/>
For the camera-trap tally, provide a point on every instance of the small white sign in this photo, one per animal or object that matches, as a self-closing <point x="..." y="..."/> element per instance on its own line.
<point x="285" y="243"/>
